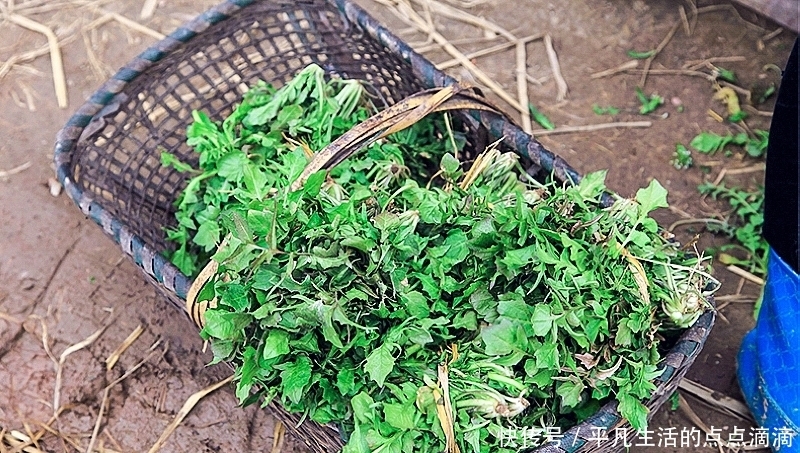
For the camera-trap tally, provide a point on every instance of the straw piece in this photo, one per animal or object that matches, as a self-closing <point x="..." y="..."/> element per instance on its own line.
<point x="114" y="357"/>
<point x="18" y="169"/>
<point x="100" y="72"/>
<point x="148" y="9"/>
<point x="522" y="85"/>
<point x="591" y="127"/>
<point x="420" y="23"/>
<point x="697" y="64"/>
<point x="107" y="17"/>
<point x="63" y="358"/>
<point x="187" y="407"/>
<point x="746" y="275"/>
<point x="658" y="49"/>
<point x="561" y="84"/>
<point x="722" y="403"/>
<point x="423" y="48"/>
<point x="107" y="391"/>
<point x="59" y="79"/>
<point x="278" y="437"/>
<point x="456" y="14"/>
<point x="487" y="51"/>
<point x="685" y="20"/>
<point x="632" y="64"/>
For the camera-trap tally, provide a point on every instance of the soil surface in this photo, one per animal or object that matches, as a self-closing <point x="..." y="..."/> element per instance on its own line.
<point x="64" y="280"/>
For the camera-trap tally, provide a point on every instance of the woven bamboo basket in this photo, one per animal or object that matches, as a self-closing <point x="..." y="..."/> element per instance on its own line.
<point x="107" y="156"/>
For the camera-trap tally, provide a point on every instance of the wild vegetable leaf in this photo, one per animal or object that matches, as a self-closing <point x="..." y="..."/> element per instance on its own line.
<point x="570" y="392"/>
<point x="540" y="118"/>
<point x="170" y="160"/>
<point x="500" y="339"/>
<point x="649" y="104"/>
<point x="641" y="55"/>
<point x="380" y="363"/>
<point x="342" y="299"/>
<point x="651" y="197"/>
<point x="633" y="410"/>
<point x="609" y="110"/>
<point x="295" y="377"/>
<point x="276" y="344"/>
<point x="400" y="416"/>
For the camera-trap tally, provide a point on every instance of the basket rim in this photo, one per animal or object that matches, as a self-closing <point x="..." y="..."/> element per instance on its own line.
<point x="675" y="362"/>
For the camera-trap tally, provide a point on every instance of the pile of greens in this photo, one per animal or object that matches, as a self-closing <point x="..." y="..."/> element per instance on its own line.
<point x="421" y="304"/>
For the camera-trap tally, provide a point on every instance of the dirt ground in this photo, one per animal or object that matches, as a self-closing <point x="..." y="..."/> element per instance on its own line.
<point x="63" y="280"/>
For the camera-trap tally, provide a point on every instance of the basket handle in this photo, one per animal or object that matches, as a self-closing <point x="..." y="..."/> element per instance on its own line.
<point x="388" y="121"/>
<point x="393" y="119"/>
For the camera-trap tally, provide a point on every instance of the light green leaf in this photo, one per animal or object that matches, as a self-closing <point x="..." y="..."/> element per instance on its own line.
<point x="651" y="197"/>
<point x="231" y="166"/>
<point x="633" y="410"/>
<point x="500" y="339"/>
<point x="400" y="416"/>
<point x="380" y="363"/>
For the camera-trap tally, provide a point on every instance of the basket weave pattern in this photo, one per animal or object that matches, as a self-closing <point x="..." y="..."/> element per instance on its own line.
<point x="108" y="154"/>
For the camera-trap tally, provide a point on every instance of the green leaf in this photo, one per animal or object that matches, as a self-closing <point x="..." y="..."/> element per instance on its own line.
<point x="450" y="164"/>
<point x="345" y="381"/>
<point x="540" y="118"/>
<point x="633" y="410"/>
<point x="295" y="377"/>
<point x="380" y="363"/>
<point x="363" y="407"/>
<point x="651" y="197"/>
<point x="225" y="326"/>
<point x="171" y="160"/>
<point x="604" y="110"/>
<point x="725" y="75"/>
<point x="416" y="304"/>
<point x="542" y="320"/>
<point x="231" y="166"/>
<point x="709" y="143"/>
<point x="641" y="55"/>
<point x="400" y="416"/>
<point x="255" y="181"/>
<point x="570" y="392"/>
<point x="593" y="184"/>
<point x="500" y="339"/>
<point x="276" y="344"/>
<point x="649" y="104"/>
<point x="207" y="236"/>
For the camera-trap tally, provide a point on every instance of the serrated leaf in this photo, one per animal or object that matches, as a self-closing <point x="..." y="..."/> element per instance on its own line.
<point x="652" y="197"/>
<point x="276" y="344"/>
<point x="295" y="377"/>
<point x="633" y="410"/>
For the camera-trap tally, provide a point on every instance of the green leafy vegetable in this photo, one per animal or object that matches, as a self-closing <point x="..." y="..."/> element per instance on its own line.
<point x="710" y="143"/>
<point x="403" y="275"/>
<point x="750" y="249"/>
